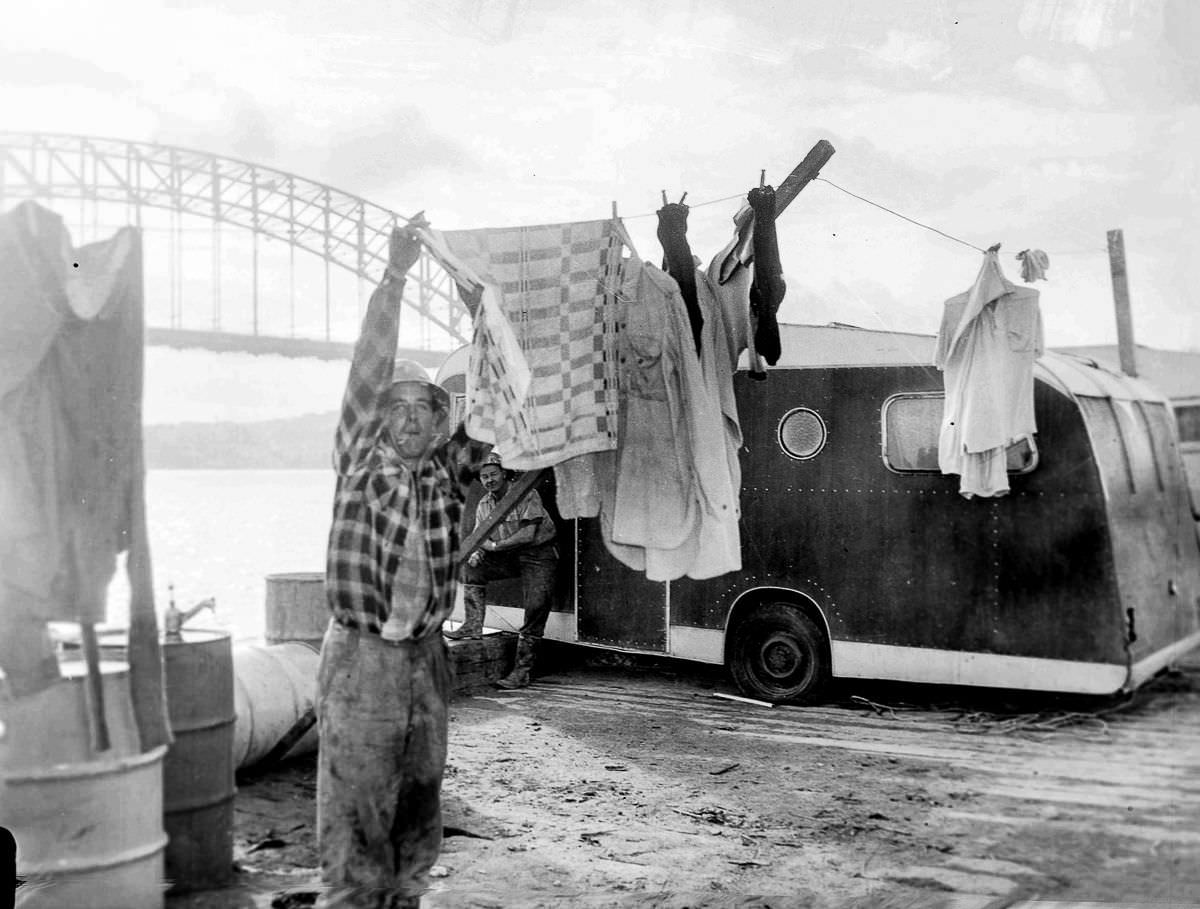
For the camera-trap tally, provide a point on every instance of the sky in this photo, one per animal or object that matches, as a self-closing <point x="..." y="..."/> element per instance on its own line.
<point x="1031" y="123"/>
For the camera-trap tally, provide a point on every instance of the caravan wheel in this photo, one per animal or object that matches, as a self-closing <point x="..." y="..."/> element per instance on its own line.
<point x="779" y="654"/>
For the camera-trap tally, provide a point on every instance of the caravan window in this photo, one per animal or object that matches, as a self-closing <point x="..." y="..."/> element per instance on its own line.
<point x="912" y="424"/>
<point x="1187" y="417"/>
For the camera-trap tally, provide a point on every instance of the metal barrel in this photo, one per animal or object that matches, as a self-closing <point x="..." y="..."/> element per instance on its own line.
<point x="275" y="688"/>
<point x="88" y="824"/>
<point x="296" y="608"/>
<point x="198" y="773"/>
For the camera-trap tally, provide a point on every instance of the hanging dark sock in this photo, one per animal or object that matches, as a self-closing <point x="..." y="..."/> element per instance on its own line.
<point x="768" y="288"/>
<point x="678" y="261"/>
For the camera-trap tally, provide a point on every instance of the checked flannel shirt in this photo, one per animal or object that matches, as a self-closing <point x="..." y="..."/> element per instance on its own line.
<point x="372" y="508"/>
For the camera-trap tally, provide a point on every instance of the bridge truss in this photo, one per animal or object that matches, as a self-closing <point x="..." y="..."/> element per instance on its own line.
<point x="347" y="232"/>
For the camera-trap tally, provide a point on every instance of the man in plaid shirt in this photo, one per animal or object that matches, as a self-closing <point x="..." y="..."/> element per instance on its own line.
<point x="384" y="683"/>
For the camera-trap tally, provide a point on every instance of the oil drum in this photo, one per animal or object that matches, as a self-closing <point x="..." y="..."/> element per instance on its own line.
<point x="198" y="773"/>
<point x="88" y="824"/>
<point x="296" y="609"/>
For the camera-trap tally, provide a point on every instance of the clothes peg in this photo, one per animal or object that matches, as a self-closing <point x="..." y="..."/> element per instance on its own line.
<point x="681" y="198"/>
<point x="664" y="195"/>
<point x="762" y="178"/>
<point x="995" y="248"/>
<point x="614" y="209"/>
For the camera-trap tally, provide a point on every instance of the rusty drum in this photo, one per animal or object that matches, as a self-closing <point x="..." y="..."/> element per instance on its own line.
<point x="296" y="608"/>
<point x="198" y="773"/>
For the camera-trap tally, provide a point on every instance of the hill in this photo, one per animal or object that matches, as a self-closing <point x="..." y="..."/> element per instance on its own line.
<point x="303" y="442"/>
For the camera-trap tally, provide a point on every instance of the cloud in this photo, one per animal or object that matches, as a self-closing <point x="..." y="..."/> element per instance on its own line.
<point x="1076" y="81"/>
<point x="44" y="68"/>
<point x="910" y="51"/>
<point x="362" y="159"/>
<point x="1088" y="23"/>
<point x="221" y="119"/>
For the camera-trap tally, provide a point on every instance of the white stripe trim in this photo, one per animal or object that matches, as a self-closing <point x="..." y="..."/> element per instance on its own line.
<point x="989" y="670"/>
<point x="703" y="645"/>
<point x="901" y="664"/>
<point x="560" y="626"/>
<point x="1148" y="666"/>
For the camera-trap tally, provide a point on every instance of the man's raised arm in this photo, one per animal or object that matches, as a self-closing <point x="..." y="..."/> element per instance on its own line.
<point x="374" y="354"/>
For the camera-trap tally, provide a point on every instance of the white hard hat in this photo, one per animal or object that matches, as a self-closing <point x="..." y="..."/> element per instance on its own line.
<point x="406" y="371"/>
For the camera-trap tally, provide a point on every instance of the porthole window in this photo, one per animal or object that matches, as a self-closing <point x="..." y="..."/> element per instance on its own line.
<point x="802" y="433"/>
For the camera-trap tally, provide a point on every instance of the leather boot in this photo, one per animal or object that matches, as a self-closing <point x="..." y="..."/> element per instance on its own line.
<point x="475" y="605"/>
<point x="523" y="668"/>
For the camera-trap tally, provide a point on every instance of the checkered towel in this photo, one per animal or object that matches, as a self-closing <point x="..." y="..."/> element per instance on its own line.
<point x="557" y="291"/>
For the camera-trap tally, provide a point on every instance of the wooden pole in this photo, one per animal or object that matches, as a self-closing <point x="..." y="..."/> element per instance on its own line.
<point x="803" y="174"/>
<point x="1120" y="283"/>
<point x="516" y="491"/>
<point x="95" y="687"/>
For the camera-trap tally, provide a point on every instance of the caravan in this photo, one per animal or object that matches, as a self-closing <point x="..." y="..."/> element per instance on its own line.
<point x="861" y="560"/>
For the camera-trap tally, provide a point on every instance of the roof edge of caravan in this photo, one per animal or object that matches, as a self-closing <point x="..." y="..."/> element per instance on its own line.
<point x="1085" y="378"/>
<point x="837" y="344"/>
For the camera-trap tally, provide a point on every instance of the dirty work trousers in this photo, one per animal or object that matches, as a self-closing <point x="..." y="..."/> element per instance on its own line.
<point x="382" y="712"/>
<point x="535" y="566"/>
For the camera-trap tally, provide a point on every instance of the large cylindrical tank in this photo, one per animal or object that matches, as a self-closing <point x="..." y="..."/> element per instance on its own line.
<point x="296" y="609"/>
<point x="88" y="824"/>
<point x="274" y="690"/>
<point x="198" y="773"/>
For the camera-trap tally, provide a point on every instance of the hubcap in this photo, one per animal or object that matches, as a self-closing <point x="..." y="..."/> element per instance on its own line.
<point x="781" y="656"/>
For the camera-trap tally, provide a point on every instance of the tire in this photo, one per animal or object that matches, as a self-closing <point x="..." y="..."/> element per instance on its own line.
<point x="779" y="654"/>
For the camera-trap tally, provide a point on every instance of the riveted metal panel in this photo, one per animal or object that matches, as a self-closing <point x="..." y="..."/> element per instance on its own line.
<point x="904" y="559"/>
<point x="618" y="607"/>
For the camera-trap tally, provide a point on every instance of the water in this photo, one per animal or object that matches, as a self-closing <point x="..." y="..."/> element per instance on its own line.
<point x="219" y="533"/>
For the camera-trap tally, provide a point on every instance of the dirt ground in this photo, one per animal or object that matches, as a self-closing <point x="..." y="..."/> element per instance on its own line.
<point x="628" y="782"/>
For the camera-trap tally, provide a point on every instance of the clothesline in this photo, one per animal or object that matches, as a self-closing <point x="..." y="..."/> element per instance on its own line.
<point x="1076" y="252"/>
<point x="898" y="215"/>
<point x="651" y="214"/>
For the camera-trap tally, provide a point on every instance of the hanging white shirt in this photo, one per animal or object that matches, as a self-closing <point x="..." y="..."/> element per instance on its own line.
<point x="989" y="339"/>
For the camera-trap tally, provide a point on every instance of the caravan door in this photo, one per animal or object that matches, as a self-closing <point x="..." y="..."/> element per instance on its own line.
<point x="615" y="606"/>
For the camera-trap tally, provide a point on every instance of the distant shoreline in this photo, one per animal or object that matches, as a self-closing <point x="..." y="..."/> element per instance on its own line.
<point x="293" y="443"/>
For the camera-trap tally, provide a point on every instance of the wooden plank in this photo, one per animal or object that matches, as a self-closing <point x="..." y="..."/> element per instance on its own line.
<point x="1120" y="283"/>
<point x="95" y="688"/>
<point x="803" y="174"/>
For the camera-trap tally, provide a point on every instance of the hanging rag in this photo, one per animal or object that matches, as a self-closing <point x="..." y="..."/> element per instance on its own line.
<point x="1034" y="263"/>
<point x="678" y="261"/>
<point x="71" y="471"/>
<point x="672" y="508"/>
<point x="667" y="499"/>
<point x="725" y="327"/>
<point x="738" y="253"/>
<point x="555" y="292"/>
<point x="655" y="506"/>
<point x="70" y="392"/>
<point x="989" y="338"/>
<point x="768" y="288"/>
<point x="733" y="303"/>
<point x="735" y="265"/>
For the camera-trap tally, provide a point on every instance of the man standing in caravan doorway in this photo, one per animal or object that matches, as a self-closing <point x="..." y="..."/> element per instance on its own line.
<point x="384" y="681"/>
<point x="522" y="545"/>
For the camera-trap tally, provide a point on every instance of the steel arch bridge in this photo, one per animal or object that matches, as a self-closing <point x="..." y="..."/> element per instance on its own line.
<point x="347" y="232"/>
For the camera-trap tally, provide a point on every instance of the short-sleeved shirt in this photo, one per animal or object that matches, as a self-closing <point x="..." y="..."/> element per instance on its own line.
<point x="529" y="510"/>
